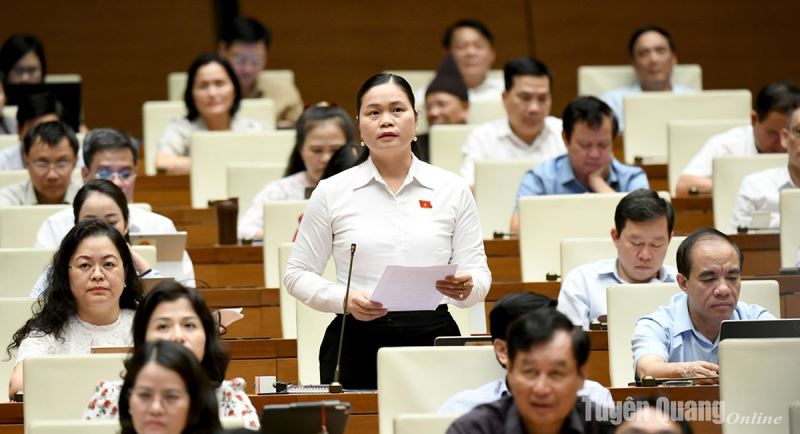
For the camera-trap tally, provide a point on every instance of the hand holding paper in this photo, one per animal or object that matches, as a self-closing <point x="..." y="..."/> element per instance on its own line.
<point x="403" y="288"/>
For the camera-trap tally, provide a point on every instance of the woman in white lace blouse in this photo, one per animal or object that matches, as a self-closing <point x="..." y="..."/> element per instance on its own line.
<point x="91" y="294"/>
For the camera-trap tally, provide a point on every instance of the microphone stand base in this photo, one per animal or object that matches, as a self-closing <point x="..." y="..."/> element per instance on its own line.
<point x="335" y="387"/>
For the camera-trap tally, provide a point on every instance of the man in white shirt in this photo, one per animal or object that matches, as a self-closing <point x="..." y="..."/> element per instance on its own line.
<point x="642" y="230"/>
<point x="111" y="154"/>
<point x="761" y="191"/>
<point x="763" y="136"/>
<point x="529" y="131"/>
<point x="653" y="56"/>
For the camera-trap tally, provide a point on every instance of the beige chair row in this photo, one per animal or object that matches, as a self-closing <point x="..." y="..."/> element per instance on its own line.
<point x="156" y="115"/>
<point x="20" y="224"/>
<point x="8" y="177"/>
<point x="790" y="230"/>
<point x="176" y="81"/>
<point x="599" y="79"/>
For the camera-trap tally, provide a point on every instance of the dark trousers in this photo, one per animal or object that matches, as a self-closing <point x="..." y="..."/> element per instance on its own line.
<point x="362" y="339"/>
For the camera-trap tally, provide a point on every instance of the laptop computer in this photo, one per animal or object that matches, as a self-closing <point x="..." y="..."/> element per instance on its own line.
<point x="305" y="417"/>
<point x="754" y="329"/>
<point x="67" y="95"/>
<point x="169" y="247"/>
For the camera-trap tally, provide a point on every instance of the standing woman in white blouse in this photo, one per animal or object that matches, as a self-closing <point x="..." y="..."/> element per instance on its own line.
<point x="91" y="296"/>
<point x="399" y="211"/>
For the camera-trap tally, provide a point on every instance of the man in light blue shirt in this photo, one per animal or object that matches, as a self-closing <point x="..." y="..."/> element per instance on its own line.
<point x="642" y="231"/>
<point x="589" y="129"/>
<point x="504" y="312"/>
<point x="653" y="56"/>
<point x="682" y="339"/>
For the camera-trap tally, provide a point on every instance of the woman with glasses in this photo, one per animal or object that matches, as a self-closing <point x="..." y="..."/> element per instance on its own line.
<point x="22" y="60"/>
<point x="91" y="295"/>
<point x="212" y="98"/>
<point x="166" y="392"/>
<point x="101" y="199"/>
<point x="173" y="312"/>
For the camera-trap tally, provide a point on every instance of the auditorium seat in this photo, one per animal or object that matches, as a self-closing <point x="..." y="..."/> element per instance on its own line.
<point x="647" y="115"/>
<point x="8" y="177"/>
<point x="246" y="179"/>
<point x="546" y="220"/>
<point x="685" y="138"/>
<point x="420" y="379"/>
<point x="445" y="143"/>
<point x="757" y="380"/>
<point x="20" y="268"/>
<point x="8" y="140"/>
<point x="496" y="185"/>
<point x="727" y="177"/>
<point x="281" y="220"/>
<point x="103" y="426"/>
<point x="627" y="303"/>
<point x="61" y="386"/>
<point x="19" y="224"/>
<point x="579" y="251"/>
<point x="423" y="423"/>
<point x="790" y="230"/>
<point x="213" y="151"/>
<point x="156" y="115"/>
<point x="14" y="311"/>
<point x="599" y="79"/>
<point x="485" y="110"/>
<point x="176" y="81"/>
<point x="287" y="301"/>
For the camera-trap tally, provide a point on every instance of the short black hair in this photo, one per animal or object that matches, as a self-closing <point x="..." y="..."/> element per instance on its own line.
<point x="36" y="105"/>
<point x="538" y="327"/>
<point x="103" y="139"/>
<point x="590" y="110"/>
<point x="17" y="46"/>
<point x="51" y="134"/>
<point x="245" y="29"/>
<point x="779" y="96"/>
<point x="311" y="118"/>
<point x="104" y="187"/>
<point x="684" y="255"/>
<point x="525" y="66"/>
<point x="202" y="60"/>
<point x="659" y="403"/>
<point x="471" y="23"/>
<point x="511" y="307"/>
<point x="642" y="30"/>
<point x="643" y="205"/>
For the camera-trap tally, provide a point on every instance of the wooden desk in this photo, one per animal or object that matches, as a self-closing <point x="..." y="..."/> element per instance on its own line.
<point x="692" y="212"/>
<point x="363" y="419"/>
<point x="262" y="313"/>
<point x="219" y="266"/>
<point x="200" y="223"/>
<point x="255" y="357"/>
<point x="163" y="190"/>
<point x="678" y="396"/>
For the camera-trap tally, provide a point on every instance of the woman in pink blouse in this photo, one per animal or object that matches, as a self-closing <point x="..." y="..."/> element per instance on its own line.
<point x="173" y="312"/>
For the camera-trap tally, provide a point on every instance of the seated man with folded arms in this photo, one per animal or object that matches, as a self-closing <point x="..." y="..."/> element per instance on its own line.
<point x="50" y="154"/>
<point x="505" y="311"/>
<point x="111" y="154"/>
<point x="31" y="111"/>
<point x="546" y="358"/>
<point x="589" y="164"/>
<point x="682" y="339"/>
<point x="761" y="191"/>
<point x="653" y="56"/>
<point x="246" y="43"/>
<point x="642" y="230"/>
<point x="763" y="136"/>
<point x="528" y="131"/>
<point x="446" y="102"/>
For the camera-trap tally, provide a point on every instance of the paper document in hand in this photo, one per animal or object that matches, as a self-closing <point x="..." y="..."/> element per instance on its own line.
<point x="404" y="288"/>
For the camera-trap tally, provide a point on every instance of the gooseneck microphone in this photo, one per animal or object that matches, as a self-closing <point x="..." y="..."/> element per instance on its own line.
<point x="336" y="386"/>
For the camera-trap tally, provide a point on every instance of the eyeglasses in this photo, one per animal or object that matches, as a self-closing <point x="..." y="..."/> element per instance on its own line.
<point x="22" y="70"/>
<point x="241" y="60"/>
<point x="108" y="174"/>
<point x="85" y="268"/>
<point x="43" y="166"/>
<point x="169" y="399"/>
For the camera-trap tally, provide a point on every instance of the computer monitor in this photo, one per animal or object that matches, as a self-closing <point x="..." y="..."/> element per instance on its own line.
<point x="305" y="417"/>
<point x="462" y="341"/>
<point x="755" y="329"/>
<point x="67" y="95"/>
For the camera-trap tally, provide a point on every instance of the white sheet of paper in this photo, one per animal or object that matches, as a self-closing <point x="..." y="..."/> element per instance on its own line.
<point x="404" y="288"/>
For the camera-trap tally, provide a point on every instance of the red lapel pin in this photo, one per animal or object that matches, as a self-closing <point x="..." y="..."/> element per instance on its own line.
<point x="425" y="204"/>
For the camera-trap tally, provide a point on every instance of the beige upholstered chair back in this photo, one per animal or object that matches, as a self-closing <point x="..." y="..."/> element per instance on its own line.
<point x="246" y="180"/>
<point x="280" y="223"/>
<point x="176" y="81"/>
<point x="647" y="115"/>
<point x="14" y="311"/>
<point x="597" y="80"/>
<point x="496" y="185"/>
<point x="790" y="229"/>
<point x="445" y="143"/>
<point x="19" y="224"/>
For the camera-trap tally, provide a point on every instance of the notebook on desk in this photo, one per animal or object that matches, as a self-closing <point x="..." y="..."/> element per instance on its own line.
<point x="305" y="417"/>
<point x="755" y="329"/>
